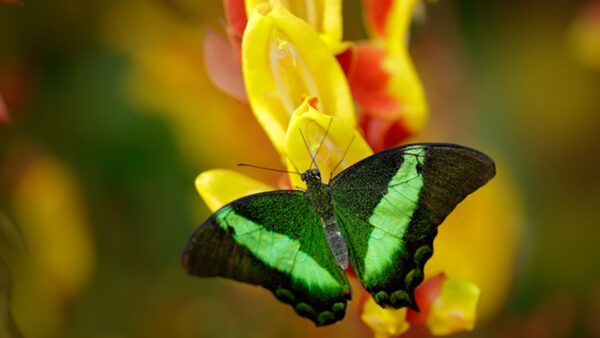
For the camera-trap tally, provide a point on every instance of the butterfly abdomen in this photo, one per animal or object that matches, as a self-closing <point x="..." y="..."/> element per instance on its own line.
<point x="336" y="242"/>
<point x="319" y="196"/>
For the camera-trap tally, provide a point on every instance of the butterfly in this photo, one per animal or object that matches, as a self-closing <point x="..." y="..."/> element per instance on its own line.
<point x="380" y="214"/>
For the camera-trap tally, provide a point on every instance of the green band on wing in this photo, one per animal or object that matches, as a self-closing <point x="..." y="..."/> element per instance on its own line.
<point x="277" y="251"/>
<point x="392" y="215"/>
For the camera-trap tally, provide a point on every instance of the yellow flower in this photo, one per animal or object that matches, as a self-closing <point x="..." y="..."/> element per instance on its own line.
<point x="283" y="62"/>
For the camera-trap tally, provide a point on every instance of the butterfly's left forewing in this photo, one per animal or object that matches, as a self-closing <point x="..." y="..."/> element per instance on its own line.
<point x="275" y="240"/>
<point x="389" y="205"/>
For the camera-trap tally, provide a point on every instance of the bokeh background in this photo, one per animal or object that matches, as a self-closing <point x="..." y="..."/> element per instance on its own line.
<point x="112" y="116"/>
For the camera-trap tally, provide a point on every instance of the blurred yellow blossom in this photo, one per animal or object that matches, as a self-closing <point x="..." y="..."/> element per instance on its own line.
<point x="60" y="256"/>
<point x="583" y="36"/>
<point x="454" y="310"/>
<point x="384" y="322"/>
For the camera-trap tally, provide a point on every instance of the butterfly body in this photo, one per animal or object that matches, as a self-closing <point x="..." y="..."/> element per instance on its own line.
<point x="318" y="193"/>
<point x="381" y="215"/>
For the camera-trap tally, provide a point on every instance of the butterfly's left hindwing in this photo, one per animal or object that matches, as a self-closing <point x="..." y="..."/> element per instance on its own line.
<point x="275" y="240"/>
<point x="389" y="205"/>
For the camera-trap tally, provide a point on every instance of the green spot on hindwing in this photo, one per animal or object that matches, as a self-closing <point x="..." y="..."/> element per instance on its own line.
<point x="285" y="296"/>
<point x="400" y="298"/>
<point x="422" y="254"/>
<point x="413" y="278"/>
<point x="339" y="307"/>
<point x="326" y="317"/>
<point x="381" y="297"/>
<point x="305" y="310"/>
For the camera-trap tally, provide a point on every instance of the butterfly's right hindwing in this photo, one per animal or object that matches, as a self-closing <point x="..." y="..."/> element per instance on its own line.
<point x="275" y="240"/>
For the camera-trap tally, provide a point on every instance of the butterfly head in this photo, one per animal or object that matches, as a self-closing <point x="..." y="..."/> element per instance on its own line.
<point x="311" y="175"/>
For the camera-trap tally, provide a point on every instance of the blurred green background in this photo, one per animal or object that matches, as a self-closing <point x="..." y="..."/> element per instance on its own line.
<point x="112" y="116"/>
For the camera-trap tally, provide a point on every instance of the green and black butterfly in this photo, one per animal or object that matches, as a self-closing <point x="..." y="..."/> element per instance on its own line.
<point x="381" y="215"/>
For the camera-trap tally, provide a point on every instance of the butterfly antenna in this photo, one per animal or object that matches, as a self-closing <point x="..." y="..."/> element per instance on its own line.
<point x="309" y="153"/>
<point x="294" y="164"/>
<point x="265" y="168"/>
<point x="324" y="136"/>
<point x="343" y="156"/>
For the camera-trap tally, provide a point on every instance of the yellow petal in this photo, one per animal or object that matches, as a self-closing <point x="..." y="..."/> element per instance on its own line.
<point x="405" y="86"/>
<point x="285" y="61"/>
<point x="384" y="322"/>
<point x="398" y="23"/>
<point x="325" y="16"/>
<point x="218" y="187"/>
<point x="404" y="83"/>
<point x="454" y="309"/>
<point x="314" y="125"/>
